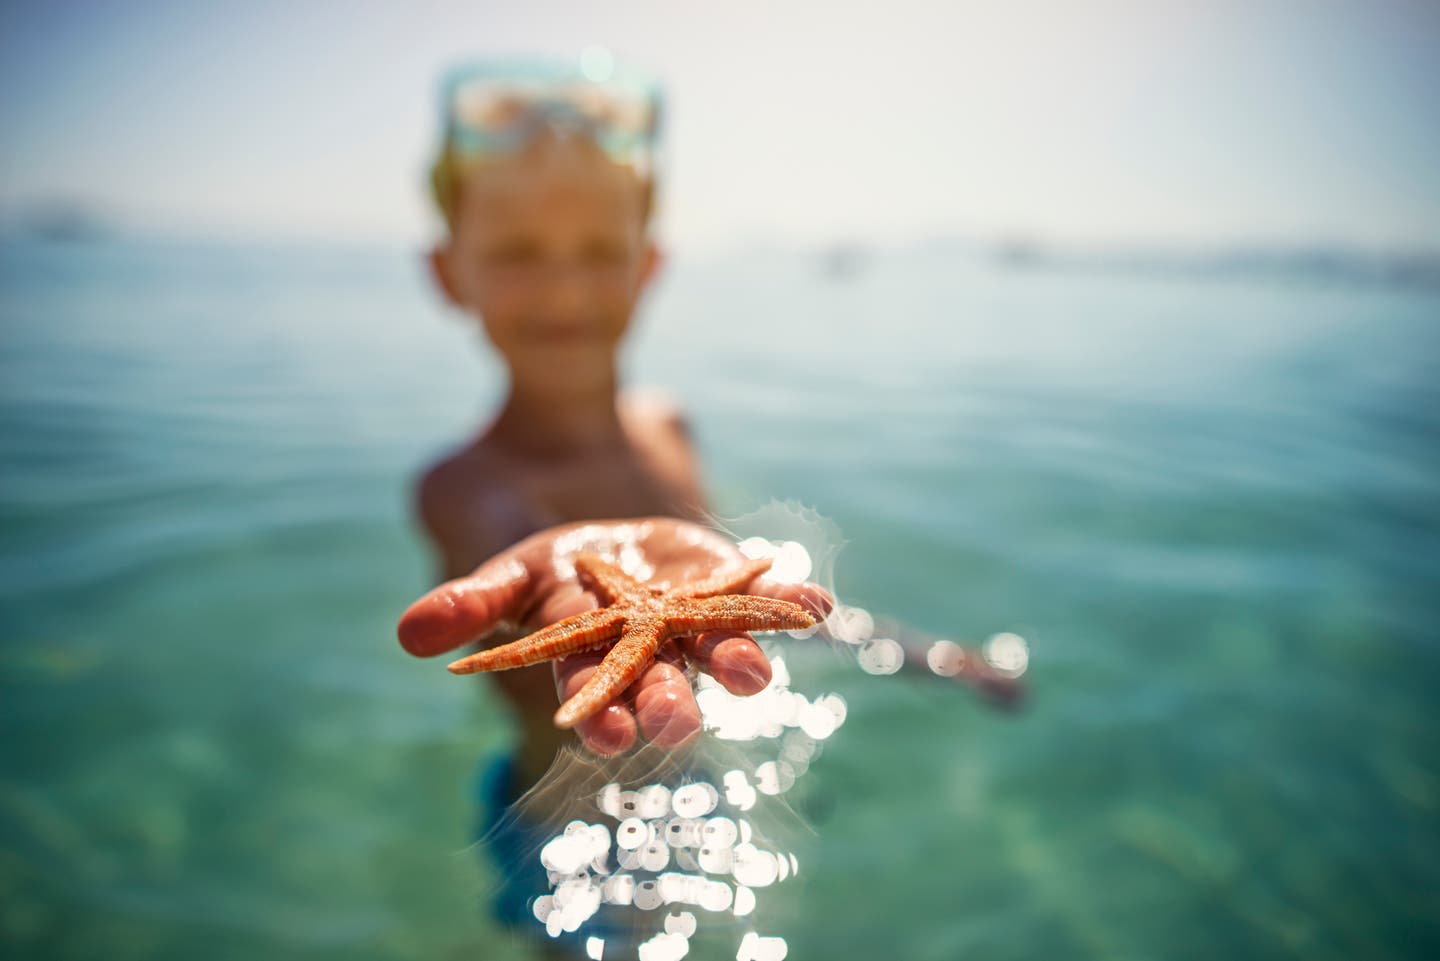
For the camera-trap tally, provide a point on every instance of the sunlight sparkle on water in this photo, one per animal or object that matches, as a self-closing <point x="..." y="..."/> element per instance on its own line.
<point x="790" y="562"/>
<point x="945" y="658"/>
<point x="664" y="947"/>
<point x="755" y="948"/>
<point x="695" y="800"/>
<point x="853" y="625"/>
<point x="694" y="854"/>
<point x="769" y="713"/>
<point x="674" y="854"/>
<point x="881" y="655"/>
<point x="1008" y="654"/>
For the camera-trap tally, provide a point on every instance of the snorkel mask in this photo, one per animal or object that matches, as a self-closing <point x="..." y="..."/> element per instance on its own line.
<point x="492" y="109"/>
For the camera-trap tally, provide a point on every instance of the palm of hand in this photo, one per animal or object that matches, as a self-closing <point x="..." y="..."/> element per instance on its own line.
<point x="534" y="583"/>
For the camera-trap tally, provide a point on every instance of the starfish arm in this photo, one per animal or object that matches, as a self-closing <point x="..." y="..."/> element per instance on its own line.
<point x="570" y="636"/>
<point x="726" y="582"/>
<point x="622" y="666"/>
<point x="605" y="580"/>
<point x="738" y="612"/>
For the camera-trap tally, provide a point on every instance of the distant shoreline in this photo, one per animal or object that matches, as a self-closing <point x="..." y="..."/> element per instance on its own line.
<point x="844" y="260"/>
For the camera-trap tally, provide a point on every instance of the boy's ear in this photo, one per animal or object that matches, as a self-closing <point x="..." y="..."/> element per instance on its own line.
<point x="440" y="265"/>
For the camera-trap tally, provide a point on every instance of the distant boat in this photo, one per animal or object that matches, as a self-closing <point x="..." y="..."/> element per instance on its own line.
<point x="1018" y="252"/>
<point x="843" y="261"/>
<point x="63" y="223"/>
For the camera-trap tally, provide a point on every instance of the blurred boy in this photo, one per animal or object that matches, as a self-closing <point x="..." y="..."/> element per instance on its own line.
<point x="546" y="186"/>
<point x="549" y="248"/>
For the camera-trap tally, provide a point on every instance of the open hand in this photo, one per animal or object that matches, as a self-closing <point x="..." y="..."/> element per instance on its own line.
<point x="533" y="583"/>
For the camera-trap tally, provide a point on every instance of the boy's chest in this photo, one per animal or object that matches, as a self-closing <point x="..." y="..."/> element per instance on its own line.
<point x="602" y="487"/>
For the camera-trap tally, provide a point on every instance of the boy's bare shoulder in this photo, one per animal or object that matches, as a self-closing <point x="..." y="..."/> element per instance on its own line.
<point x="467" y="505"/>
<point x="649" y="408"/>
<point x="443" y="484"/>
<point x="657" y="425"/>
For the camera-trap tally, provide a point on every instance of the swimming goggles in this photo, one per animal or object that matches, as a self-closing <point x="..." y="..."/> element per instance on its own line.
<point x="497" y="108"/>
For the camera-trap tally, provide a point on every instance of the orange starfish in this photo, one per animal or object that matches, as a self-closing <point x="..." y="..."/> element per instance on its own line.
<point x="642" y="618"/>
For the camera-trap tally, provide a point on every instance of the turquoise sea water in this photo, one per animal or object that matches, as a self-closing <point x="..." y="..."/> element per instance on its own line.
<point x="1210" y="502"/>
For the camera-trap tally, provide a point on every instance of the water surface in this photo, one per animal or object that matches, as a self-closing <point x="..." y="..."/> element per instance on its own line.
<point x="1209" y="501"/>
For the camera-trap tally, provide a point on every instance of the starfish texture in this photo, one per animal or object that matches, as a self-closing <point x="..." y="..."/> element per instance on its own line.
<point x="637" y="619"/>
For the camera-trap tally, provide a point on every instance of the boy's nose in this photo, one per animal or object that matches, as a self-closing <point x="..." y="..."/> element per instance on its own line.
<point x="567" y="289"/>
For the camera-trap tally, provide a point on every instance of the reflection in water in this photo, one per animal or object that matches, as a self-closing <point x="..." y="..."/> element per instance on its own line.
<point x="668" y="844"/>
<point x="676" y="849"/>
<point x="1006" y="654"/>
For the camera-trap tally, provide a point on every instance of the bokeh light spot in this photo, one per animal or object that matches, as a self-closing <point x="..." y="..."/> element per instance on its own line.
<point x="881" y="655"/>
<point x="1008" y="654"/>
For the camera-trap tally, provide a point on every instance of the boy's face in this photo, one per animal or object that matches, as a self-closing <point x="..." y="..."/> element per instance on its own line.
<point x="548" y="249"/>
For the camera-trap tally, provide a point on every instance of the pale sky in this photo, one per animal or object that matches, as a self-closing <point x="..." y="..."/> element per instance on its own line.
<point x="1122" y="121"/>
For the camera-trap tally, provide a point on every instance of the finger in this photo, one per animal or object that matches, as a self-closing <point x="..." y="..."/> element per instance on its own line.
<point x="808" y="595"/>
<point x="609" y="731"/>
<point x="665" y="708"/>
<point x="460" y="611"/>
<point x="732" y="658"/>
